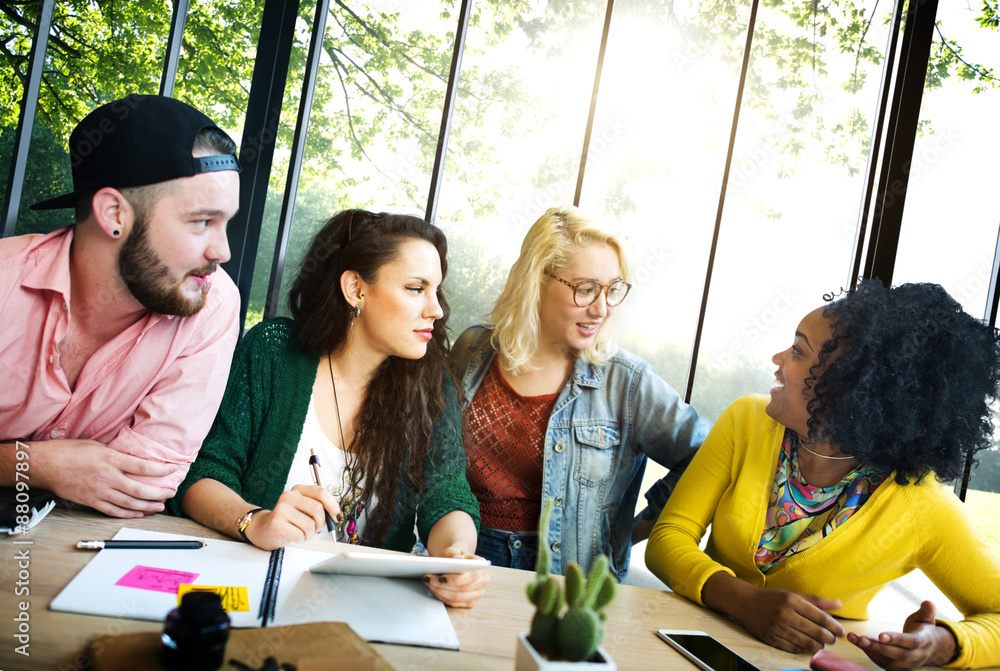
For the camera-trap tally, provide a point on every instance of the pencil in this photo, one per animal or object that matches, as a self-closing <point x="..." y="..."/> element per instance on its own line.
<point x="140" y="545"/>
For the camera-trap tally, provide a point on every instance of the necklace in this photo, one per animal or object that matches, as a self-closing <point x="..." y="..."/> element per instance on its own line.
<point x="803" y="445"/>
<point x="351" y="503"/>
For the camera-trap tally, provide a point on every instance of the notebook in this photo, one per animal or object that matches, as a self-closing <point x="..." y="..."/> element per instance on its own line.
<point x="143" y="584"/>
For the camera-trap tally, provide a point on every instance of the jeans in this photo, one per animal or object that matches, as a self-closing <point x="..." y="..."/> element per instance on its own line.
<point x="508" y="549"/>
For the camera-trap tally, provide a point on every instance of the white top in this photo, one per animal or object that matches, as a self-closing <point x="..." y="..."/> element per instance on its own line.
<point x="333" y="472"/>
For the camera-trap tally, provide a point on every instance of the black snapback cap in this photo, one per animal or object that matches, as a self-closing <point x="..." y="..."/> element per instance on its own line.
<point x="135" y="141"/>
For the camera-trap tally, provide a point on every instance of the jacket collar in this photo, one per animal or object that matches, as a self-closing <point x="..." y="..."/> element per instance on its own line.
<point x="587" y="375"/>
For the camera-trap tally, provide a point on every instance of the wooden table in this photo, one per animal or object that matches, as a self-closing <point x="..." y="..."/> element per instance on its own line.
<point x="486" y="633"/>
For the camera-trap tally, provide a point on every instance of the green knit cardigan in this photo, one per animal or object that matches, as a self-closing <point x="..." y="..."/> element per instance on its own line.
<point x="257" y="430"/>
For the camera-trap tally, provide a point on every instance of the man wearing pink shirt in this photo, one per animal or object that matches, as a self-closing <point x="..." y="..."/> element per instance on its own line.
<point x="118" y="332"/>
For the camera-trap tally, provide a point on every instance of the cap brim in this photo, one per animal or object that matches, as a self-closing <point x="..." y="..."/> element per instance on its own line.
<point x="67" y="200"/>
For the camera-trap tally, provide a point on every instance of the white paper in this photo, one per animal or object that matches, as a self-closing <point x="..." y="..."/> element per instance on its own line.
<point x="394" y="565"/>
<point x="387" y="610"/>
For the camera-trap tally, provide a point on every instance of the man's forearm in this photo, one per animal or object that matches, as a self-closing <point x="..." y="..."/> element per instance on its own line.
<point x="9" y="470"/>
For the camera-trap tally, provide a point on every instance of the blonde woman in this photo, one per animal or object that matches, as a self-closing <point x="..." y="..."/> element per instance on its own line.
<point x="555" y="409"/>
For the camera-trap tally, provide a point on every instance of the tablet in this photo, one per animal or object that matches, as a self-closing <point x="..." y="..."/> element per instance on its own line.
<point x="394" y="565"/>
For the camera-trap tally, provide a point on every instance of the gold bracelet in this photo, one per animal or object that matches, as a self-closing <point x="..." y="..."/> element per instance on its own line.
<point x="244" y="522"/>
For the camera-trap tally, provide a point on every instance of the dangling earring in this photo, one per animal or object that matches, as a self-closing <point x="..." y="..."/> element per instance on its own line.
<point x="356" y="312"/>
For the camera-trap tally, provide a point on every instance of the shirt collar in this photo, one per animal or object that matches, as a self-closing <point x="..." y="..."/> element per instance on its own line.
<point x="52" y="271"/>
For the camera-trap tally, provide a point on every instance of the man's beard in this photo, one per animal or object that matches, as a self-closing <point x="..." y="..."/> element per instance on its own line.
<point x="148" y="278"/>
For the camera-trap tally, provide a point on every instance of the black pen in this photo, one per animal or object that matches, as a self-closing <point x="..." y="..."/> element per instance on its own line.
<point x="140" y="545"/>
<point x="314" y="463"/>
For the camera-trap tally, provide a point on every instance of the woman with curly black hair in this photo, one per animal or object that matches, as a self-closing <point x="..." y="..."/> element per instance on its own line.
<point x="824" y="493"/>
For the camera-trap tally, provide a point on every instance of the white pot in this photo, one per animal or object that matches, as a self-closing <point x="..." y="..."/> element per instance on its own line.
<point x="527" y="659"/>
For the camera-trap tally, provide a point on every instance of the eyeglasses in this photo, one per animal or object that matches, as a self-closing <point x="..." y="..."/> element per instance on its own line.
<point x="587" y="292"/>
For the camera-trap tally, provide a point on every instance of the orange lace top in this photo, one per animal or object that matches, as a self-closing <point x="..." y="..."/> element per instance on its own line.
<point x="505" y="441"/>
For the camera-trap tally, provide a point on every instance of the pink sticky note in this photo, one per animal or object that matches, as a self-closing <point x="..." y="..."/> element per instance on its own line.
<point x="156" y="579"/>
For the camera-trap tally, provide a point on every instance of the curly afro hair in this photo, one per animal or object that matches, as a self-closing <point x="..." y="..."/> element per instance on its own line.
<point x="909" y="383"/>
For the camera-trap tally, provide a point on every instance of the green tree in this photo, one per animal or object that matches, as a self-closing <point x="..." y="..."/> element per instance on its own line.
<point x="380" y="91"/>
<point x="382" y="83"/>
<point x="102" y="50"/>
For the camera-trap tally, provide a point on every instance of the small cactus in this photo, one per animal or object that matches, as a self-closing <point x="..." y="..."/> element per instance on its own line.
<point x="575" y="635"/>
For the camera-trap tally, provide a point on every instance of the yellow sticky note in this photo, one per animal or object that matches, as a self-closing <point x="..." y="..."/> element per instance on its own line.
<point x="234" y="599"/>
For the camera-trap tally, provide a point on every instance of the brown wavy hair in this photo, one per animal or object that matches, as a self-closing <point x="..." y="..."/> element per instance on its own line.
<point x="404" y="396"/>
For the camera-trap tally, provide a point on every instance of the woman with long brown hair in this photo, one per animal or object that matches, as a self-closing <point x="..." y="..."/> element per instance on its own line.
<point x="358" y="379"/>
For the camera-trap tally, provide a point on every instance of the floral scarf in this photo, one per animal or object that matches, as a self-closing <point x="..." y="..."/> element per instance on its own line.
<point x="799" y="515"/>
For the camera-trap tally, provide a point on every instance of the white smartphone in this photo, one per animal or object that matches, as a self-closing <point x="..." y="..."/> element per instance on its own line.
<point x="704" y="651"/>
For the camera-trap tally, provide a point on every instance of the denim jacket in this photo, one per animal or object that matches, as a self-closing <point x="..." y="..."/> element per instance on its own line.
<point x="605" y="422"/>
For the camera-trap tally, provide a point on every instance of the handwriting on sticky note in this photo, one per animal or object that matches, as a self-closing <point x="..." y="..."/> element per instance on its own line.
<point x="234" y="599"/>
<point x="156" y="579"/>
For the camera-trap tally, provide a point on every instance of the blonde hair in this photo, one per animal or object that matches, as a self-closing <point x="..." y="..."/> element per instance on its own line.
<point x="548" y="246"/>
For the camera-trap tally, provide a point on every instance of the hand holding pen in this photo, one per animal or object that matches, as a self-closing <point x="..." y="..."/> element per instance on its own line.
<point x="297" y="516"/>
<point x="318" y="481"/>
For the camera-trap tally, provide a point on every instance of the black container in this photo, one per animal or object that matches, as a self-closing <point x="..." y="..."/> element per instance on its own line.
<point x="195" y="634"/>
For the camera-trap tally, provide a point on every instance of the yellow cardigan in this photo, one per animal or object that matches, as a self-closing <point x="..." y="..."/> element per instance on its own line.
<point x="900" y="528"/>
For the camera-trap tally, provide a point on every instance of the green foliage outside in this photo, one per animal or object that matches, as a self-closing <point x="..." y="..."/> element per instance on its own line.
<point x="382" y="80"/>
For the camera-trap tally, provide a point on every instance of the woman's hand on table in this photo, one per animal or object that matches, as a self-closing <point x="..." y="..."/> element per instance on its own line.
<point x="459" y="590"/>
<point x="783" y="619"/>
<point x="921" y="643"/>
<point x="792" y="621"/>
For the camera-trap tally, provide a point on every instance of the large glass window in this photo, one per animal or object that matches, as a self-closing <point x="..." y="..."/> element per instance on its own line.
<point x="983" y="495"/>
<point x="793" y="196"/>
<point x="97" y="52"/>
<point x="657" y="157"/>
<point x="282" y="136"/>
<point x="216" y="61"/>
<point x="950" y="220"/>
<point x="214" y="72"/>
<point x="517" y="135"/>
<point x="16" y="37"/>
<point x="376" y="116"/>
<point x="794" y="187"/>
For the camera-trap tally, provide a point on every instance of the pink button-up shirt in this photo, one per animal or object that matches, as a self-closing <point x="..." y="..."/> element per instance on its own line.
<point x="152" y="391"/>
